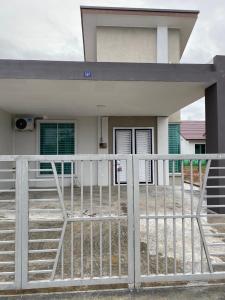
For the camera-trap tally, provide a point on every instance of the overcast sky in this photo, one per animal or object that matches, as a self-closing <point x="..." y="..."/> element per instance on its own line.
<point x="51" y="30"/>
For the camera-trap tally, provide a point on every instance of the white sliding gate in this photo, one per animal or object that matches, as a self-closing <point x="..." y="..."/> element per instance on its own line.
<point x="60" y="227"/>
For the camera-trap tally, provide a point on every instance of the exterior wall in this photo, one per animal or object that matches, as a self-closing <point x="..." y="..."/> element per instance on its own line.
<point x="6" y="133"/>
<point x="188" y="147"/>
<point x="6" y="145"/>
<point x="174" y="48"/>
<point x="117" y="44"/>
<point x="140" y="45"/>
<point x="131" y="122"/>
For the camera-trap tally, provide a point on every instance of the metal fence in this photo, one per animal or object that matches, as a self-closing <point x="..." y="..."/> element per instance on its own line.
<point x="65" y="220"/>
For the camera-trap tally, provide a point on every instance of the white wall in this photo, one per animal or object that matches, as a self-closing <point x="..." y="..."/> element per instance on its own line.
<point x="119" y="44"/>
<point x="5" y="133"/>
<point x="188" y="147"/>
<point x="6" y="146"/>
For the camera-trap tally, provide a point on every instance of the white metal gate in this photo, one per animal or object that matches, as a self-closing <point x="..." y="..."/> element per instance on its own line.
<point x="64" y="222"/>
<point x="179" y="236"/>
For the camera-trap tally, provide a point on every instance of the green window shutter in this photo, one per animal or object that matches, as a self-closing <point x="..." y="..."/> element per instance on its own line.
<point x="174" y="145"/>
<point x="65" y="143"/>
<point x="48" y="139"/>
<point x="57" y="139"/>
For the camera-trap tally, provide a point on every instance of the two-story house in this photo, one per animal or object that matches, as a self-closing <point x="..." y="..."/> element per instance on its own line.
<point x="117" y="101"/>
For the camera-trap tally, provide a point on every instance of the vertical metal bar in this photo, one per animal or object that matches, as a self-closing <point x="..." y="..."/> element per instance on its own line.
<point x="62" y="261"/>
<point x="100" y="223"/>
<point x="183" y="219"/>
<point x="130" y="222"/>
<point x="200" y="185"/>
<point x="174" y="220"/>
<point x="156" y="219"/>
<point x="82" y="224"/>
<point x="62" y="249"/>
<point x="110" y="223"/>
<point x="165" y="213"/>
<point x="119" y="237"/>
<point x="100" y="232"/>
<point x="148" y="248"/>
<point x="91" y="207"/>
<point x="192" y="219"/>
<point x="146" y="212"/>
<point x="22" y="224"/>
<point x="71" y="225"/>
<point x="137" y="269"/>
<point x="146" y="187"/>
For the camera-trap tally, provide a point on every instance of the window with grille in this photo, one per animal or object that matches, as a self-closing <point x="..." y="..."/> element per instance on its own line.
<point x="57" y="139"/>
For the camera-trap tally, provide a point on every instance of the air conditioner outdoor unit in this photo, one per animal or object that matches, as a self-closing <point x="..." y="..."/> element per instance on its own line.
<point x="24" y="124"/>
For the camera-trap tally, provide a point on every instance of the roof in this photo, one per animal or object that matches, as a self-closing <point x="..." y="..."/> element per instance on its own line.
<point x="193" y="130"/>
<point x="138" y="10"/>
<point x="95" y="16"/>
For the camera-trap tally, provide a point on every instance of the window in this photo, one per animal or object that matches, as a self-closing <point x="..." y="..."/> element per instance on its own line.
<point x="199" y="148"/>
<point x="56" y="138"/>
<point x="174" y="146"/>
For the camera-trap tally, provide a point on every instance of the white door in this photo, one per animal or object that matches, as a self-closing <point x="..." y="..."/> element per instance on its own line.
<point x="123" y="145"/>
<point x="143" y="145"/>
<point x="133" y="141"/>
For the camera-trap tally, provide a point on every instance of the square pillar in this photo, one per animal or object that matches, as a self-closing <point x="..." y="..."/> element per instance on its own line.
<point x="103" y="166"/>
<point x="162" y="148"/>
<point x="215" y="134"/>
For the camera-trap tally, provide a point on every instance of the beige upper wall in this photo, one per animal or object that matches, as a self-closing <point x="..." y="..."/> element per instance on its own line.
<point x="120" y="44"/>
<point x="174" y="48"/>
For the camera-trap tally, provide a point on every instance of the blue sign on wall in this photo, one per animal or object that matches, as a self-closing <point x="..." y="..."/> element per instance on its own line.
<point x="87" y="74"/>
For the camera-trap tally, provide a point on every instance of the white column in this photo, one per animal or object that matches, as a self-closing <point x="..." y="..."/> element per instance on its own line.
<point x="103" y="166"/>
<point x="162" y="122"/>
<point x="162" y="146"/>
<point x="162" y="44"/>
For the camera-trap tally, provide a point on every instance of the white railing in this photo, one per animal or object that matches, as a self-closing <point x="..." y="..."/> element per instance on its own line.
<point x="111" y="219"/>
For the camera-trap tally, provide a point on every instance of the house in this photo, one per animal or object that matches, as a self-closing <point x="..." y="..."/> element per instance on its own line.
<point x="119" y="99"/>
<point x="57" y="233"/>
<point x="192" y="137"/>
<point x="186" y="137"/>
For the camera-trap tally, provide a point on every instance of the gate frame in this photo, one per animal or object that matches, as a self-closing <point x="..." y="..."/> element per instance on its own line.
<point x="22" y="198"/>
<point x="139" y="279"/>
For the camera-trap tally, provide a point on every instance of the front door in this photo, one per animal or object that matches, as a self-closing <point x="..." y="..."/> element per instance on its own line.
<point x="133" y="141"/>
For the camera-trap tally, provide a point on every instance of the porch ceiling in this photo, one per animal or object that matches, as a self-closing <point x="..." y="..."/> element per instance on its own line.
<point x="79" y="97"/>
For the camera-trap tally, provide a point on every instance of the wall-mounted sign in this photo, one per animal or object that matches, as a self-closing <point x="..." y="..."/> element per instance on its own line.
<point x="87" y="74"/>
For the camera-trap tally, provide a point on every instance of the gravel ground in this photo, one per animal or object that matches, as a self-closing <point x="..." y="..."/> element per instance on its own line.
<point x="48" y="214"/>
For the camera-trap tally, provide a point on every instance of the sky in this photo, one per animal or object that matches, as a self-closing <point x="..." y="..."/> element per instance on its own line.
<point x="51" y="30"/>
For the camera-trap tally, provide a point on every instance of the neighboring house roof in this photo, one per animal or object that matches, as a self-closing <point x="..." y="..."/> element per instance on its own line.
<point x="193" y="130"/>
